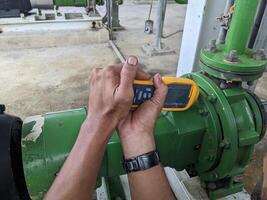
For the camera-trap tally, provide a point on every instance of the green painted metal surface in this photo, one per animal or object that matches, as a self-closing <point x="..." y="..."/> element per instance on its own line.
<point x="241" y="25"/>
<point x="244" y="66"/>
<point x="220" y="127"/>
<point x="246" y="69"/>
<point x="182" y="1"/>
<point x="82" y="3"/>
<point x="214" y="139"/>
<point x="43" y="152"/>
<point x="44" y="155"/>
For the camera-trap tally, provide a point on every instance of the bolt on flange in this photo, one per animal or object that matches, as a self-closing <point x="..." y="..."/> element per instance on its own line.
<point x="259" y="55"/>
<point x="232" y="56"/>
<point x="212" y="46"/>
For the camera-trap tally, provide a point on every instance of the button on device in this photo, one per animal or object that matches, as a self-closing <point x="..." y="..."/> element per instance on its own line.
<point x="182" y="93"/>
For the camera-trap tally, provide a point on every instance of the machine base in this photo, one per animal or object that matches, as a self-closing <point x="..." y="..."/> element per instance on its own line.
<point x="152" y="50"/>
<point x="183" y="186"/>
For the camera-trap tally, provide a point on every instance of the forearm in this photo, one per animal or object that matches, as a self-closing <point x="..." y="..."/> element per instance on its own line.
<point x="77" y="177"/>
<point x="151" y="183"/>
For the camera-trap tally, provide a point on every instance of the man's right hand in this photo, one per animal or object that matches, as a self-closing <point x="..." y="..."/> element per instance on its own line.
<point x="136" y="132"/>
<point x="137" y="129"/>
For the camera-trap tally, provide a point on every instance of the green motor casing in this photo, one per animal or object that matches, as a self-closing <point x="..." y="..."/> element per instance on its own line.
<point x="214" y="139"/>
<point x="182" y="1"/>
<point x="81" y="3"/>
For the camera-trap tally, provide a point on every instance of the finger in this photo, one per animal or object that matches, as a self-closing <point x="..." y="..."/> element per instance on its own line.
<point x="151" y="108"/>
<point x="160" y="92"/>
<point x="96" y="70"/>
<point x="140" y="74"/>
<point x="128" y="73"/>
<point x="94" y="74"/>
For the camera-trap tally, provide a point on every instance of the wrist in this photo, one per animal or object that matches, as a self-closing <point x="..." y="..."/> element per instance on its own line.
<point x="135" y="145"/>
<point x="101" y="126"/>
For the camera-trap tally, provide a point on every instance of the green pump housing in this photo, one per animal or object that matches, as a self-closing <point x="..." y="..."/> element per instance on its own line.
<point x="214" y="139"/>
<point x="81" y="3"/>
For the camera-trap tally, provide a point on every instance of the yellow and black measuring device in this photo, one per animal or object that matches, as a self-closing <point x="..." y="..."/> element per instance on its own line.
<point x="182" y="93"/>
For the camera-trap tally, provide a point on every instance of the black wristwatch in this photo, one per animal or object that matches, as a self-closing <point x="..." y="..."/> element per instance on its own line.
<point x="142" y="162"/>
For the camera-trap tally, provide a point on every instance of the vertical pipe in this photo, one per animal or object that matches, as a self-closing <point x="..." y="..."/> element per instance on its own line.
<point x="115" y="14"/>
<point x="261" y="10"/>
<point x="223" y="31"/>
<point x="241" y="25"/>
<point x="160" y="20"/>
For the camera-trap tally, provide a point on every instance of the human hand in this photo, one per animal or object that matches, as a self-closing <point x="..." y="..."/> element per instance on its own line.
<point x="111" y="94"/>
<point x="136" y="130"/>
<point x="264" y="193"/>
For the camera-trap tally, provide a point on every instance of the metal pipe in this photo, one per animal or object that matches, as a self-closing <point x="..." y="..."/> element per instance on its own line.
<point x="42" y="4"/>
<point x="223" y="31"/>
<point x="117" y="51"/>
<point x="160" y="20"/>
<point x="241" y="25"/>
<point x="257" y="24"/>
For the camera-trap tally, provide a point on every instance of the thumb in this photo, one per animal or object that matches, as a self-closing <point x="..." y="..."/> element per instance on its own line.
<point x="128" y="73"/>
<point x="160" y="92"/>
<point x="151" y="108"/>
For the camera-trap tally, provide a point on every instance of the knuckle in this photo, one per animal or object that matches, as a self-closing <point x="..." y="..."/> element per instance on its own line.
<point x="165" y="88"/>
<point x="109" y="72"/>
<point x="156" y="101"/>
<point x="121" y="98"/>
<point x="125" y="98"/>
<point x="95" y="71"/>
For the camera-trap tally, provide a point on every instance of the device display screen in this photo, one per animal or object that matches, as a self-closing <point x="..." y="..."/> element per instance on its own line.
<point x="178" y="95"/>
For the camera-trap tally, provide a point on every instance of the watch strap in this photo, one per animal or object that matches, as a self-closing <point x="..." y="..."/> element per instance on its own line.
<point x="142" y="162"/>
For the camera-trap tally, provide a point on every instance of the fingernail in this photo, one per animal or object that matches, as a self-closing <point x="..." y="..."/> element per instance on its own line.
<point x="132" y="60"/>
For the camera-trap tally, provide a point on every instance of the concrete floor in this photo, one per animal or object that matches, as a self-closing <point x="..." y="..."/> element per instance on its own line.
<point x="49" y="71"/>
<point x="42" y="72"/>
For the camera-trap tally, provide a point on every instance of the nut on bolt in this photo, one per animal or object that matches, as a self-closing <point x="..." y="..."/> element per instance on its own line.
<point x="259" y="55"/>
<point x="232" y="56"/>
<point x="211" y="98"/>
<point x="212" y="46"/>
